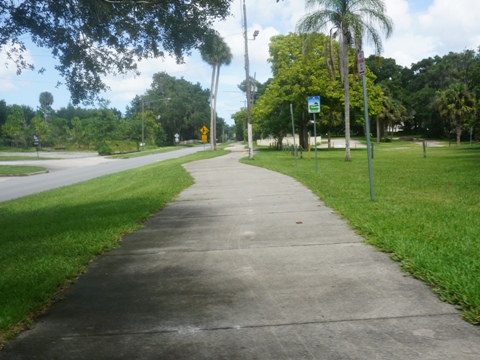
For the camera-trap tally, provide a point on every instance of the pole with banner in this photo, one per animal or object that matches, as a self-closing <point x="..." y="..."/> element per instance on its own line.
<point x="361" y="72"/>
<point x="314" y="108"/>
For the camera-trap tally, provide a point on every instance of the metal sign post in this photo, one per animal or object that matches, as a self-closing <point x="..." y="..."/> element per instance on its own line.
<point x="361" y="72"/>
<point x="293" y="134"/>
<point x="314" y="108"/>
<point x="36" y="142"/>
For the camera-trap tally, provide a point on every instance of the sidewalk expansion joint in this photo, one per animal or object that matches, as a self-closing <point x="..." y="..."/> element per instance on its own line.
<point x="239" y="213"/>
<point x="166" y="251"/>
<point x="193" y="329"/>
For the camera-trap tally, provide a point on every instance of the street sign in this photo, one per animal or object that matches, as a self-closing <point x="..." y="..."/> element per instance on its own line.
<point x="313" y="104"/>
<point x="204" y="130"/>
<point x="361" y="63"/>
<point x="177" y="138"/>
<point x="360" y="56"/>
<point x="204" y="138"/>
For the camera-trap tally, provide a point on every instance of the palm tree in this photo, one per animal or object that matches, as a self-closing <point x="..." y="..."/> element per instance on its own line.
<point x="46" y="101"/>
<point x="216" y="53"/>
<point x="392" y="113"/>
<point x="457" y="104"/>
<point x="350" y="20"/>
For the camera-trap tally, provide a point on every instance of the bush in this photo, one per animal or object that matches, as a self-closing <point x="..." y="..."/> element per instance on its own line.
<point x="121" y="146"/>
<point x="105" y="150"/>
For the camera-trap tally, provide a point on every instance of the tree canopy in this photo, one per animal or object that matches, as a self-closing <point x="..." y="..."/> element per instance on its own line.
<point x="351" y="22"/>
<point x="183" y="107"/>
<point x="299" y="72"/>
<point x="93" y="38"/>
<point x="423" y="86"/>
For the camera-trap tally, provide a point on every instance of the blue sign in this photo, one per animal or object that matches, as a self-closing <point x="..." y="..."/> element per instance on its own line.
<point x="313" y="104"/>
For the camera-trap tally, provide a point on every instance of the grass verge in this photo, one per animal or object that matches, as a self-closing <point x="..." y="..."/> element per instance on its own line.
<point x="425" y="211"/>
<point x="17" y="158"/>
<point x="48" y="239"/>
<point x="149" y="152"/>
<point x="16" y="170"/>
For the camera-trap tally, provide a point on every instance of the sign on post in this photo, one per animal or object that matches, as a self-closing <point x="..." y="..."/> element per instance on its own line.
<point x="361" y="63"/>
<point x="204" y="132"/>
<point x="313" y="104"/>
<point x="314" y="108"/>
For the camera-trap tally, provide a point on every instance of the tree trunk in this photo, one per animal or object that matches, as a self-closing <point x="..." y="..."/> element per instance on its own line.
<point x="303" y="133"/>
<point x="458" y="131"/>
<point x="346" y="86"/>
<point x="280" y="143"/>
<point x="214" y="128"/>
<point x="379" y="131"/>
<point x="212" y="107"/>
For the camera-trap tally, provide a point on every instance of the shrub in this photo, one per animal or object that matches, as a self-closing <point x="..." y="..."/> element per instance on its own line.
<point x="105" y="150"/>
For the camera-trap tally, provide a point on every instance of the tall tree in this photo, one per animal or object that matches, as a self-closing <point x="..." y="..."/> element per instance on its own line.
<point x="46" y="101"/>
<point x="457" y="105"/>
<point x="298" y="72"/>
<point x="14" y="125"/>
<point x="351" y="21"/>
<point x="40" y="128"/>
<point x="92" y="38"/>
<point x="215" y="52"/>
<point x="183" y="114"/>
<point x="393" y="113"/>
<point x="77" y="132"/>
<point x="240" y="118"/>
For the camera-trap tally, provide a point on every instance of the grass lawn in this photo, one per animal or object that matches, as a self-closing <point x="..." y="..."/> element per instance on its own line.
<point x="426" y="211"/>
<point x="48" y="239"/>
<point x="15" y="158"/>
<point x="6" y="170"/>
<point x="148" y="152"/>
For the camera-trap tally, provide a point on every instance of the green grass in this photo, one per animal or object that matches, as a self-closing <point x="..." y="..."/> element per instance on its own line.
<point x="426" y="211"/>
<point x="21" y="158"/>
<point x="148" y="152"/>
<point x="16" y="170"/>
<point x="48" y="239"/>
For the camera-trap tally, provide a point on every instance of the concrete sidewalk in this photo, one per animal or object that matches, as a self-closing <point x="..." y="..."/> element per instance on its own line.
<point x="247" y="264"/>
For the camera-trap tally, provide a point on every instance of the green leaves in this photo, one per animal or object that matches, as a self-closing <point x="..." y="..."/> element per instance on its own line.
<point x="92" y="38"/>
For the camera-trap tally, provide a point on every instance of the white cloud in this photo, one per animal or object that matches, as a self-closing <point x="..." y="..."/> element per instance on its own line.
<point x="432" y="29"/>
<point x="453" y="24"/>
<point x="8" y="72"/>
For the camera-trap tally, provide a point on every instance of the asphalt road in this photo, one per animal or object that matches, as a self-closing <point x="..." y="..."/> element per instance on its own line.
<point x="64" y="172"/>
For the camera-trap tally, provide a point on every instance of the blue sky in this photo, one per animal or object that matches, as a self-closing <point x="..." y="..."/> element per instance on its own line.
<point x="423" y="28"/>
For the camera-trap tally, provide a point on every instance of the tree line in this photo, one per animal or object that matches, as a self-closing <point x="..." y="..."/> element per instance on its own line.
<point x="435" y="97"/>
<point x="169" y="107"/>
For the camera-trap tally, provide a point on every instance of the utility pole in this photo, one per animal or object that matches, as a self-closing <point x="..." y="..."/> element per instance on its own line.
<point x="247" y="83"/>
<point x="143" y="124"/>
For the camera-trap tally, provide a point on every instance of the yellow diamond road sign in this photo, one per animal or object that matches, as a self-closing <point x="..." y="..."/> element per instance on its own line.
<point x="204" y="130"/>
